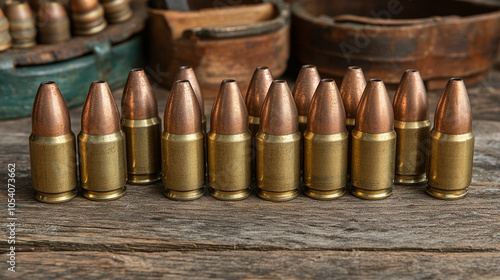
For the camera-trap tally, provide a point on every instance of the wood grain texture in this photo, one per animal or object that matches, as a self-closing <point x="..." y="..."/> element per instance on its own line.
<point x="409" y="235"/>
<point x="260" y="265"/>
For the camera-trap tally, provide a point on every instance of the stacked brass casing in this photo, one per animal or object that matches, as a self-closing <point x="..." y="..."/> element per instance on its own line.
<point x="325" y="144"/>
<point x="101" y="146"/>
<point x="351" y="90"/>
<point x="22" y="24"/>
<point x="5" y="39"/>
<point x="229" y="163"/>
<point x="278" y="146"/>
<point x="87" y="17"/>
<point x="142" y="127"/>
<point x="53" y="23"/>
<point x="412" y="125"/>
<point x="182" y="144"/>
<point x="116" y="10"/>
<point x="373" y="144"/>
<point x="52" y="147"/>
<point x="451" y="144"/>
<point x="256" y="94"/>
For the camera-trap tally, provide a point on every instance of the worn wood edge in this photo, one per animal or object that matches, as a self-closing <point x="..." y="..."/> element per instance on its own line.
<point x="256" y="265"/>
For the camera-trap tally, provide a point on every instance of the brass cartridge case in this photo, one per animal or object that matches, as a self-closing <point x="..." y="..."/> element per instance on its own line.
<point x="22" y="24"/>
<point x="253" y="125"/>
<point x="53" y="167"/>
<point x="53" y="23"/>
<point x="183" y="165"/>
<point x="103" y="168"/>
<point x="229" y="165"/>
<point x="87" y="17"/>
<point x="450" y="164"/>
<point x="5" y="39"/>
<point x="350" y="124"/>
<point x="325" y="165"/>
<point x="143" y="149"/>
<point x="117" y="10"/>
<point x="412" y="147"/>
<point x="373" y="164"/>
<point x="278" y="166"/>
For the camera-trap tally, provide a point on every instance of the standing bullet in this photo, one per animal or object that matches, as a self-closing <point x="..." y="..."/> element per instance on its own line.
<point x="351" y="90"/>
<point x="278" y="146"/>
<point x="116" y="10"/>
<point x="187" y="73"/>
<point x="305" y="86"/>
<point x="373" y="144"/>
<point x="412" y="126"/>
<point x="87" y="17"/>
<point x="52" y="147"/>
<point x="182" y="145"/>
<point x="452" y="144"/>
<point x="325" y="144"/>
<point x="256" y="94"/>
<point x="142" y="127"/>
<point x="22" y="24"/>
<point x="53" y="23"/>
<point x="5" y="39"/>
<point x="229" y="139"/>
<point x="101" y="146"/>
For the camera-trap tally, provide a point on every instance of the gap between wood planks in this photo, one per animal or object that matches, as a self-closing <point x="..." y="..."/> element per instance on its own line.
<point x="194" y="247"/>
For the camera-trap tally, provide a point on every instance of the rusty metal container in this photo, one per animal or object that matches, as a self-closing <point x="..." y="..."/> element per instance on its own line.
<point x="441" y="39"/>
<point x="219" y="42"/>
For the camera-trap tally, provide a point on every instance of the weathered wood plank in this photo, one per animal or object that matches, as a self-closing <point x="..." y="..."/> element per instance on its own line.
<point x="409" y="235"/>
<point x="256" y="265"/>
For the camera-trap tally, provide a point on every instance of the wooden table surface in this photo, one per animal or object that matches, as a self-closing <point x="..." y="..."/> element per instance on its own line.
<point x="143" y="234"/>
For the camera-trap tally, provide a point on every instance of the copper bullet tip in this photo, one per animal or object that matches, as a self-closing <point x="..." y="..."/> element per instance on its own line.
<point x="279" y="114"/>
<point x="326" y="114"/>
<point x="18" y="11"/>
<point x="83" y="6"/>
<point x="351" y="90"/>
<point x="50" y="11"/>
<point x="453" y="112"/>
<point x="410" y="102"/>
<point x="139" y="100"/>
<point x="257" y="90"/>
<point x="375" y="114"/>
<point x="229" y="114"/>
<point x="305" y="86"/>
<point x="50" y="116"/>
<point x="182" y="112"/>
<point x="187" y="73"/>
<point x="100" y="114"/>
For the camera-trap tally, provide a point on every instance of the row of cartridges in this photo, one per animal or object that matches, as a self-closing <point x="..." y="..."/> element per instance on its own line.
<point x="318" y="136"/>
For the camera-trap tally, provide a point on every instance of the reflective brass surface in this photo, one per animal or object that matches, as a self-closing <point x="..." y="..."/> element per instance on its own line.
<point x="89" y="23"/>
<point x="229" y="164"/>
<point x="325" y="165"/>
<point x="253" y="125"/>
<point x="278" y="166"/>
<point x="103" y="165"/>
<point x="350" y="123"/>
<point x="373" y="164"/>
<point x="143" y="150"/>
<point x="116" y="10"/>
<point x="183" y="165"/>
<point x="5" y="39"/>
<point x="412" y="146"/>
<point x="53" y="167"/>
<point x="450" y="164"/>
